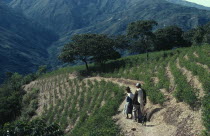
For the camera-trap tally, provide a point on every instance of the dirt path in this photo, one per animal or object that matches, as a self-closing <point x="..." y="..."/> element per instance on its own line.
<point x="156" y="126"/>
<point x="173" y="119"/>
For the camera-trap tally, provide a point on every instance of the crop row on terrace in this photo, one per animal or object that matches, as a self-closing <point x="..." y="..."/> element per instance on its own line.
<point x="155" y="69"/>
<point x="72" y="103"/>
<point x="135" y="68"/>
<point x="184" y="91"/>
<point x="65" y="109"/>
<point x="203" y="75"/>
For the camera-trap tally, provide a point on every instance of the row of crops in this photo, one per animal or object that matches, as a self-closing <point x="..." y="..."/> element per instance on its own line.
<point x="203" y="75"/>
<point x="138" y="69"/>
<point x="80" y="104"/>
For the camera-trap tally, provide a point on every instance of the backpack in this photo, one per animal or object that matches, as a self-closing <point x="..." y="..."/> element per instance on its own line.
<point x="135" y="98"/>
<point x="144" y="96"/>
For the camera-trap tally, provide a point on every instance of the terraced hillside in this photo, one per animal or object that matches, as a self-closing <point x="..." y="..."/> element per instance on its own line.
<point x="177" y="85"/>
<point x="69" y="102"/>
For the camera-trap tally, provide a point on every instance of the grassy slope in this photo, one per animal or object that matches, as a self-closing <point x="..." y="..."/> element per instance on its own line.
<point x="60" y="104"/>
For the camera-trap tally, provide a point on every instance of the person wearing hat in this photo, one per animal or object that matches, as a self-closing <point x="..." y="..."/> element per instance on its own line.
<point x="138" y="103"/>
<point x="128" y="106"/>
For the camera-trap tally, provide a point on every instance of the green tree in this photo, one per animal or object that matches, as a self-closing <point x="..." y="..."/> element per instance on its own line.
<point x="198" y="36"/>
<point x="10" y="98"/>
<point x="96" y="48"/>
<point x="77" y="49"/>
<point x="103" y="49"/>
<point x="122" y="42"/>
<point x="36" y="127"/>
<point x="169" y="37"/>
<point x="141" y="35"/>
<point x="42" y="69"/>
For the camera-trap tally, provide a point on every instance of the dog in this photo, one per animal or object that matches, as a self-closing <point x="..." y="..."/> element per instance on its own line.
<point x="144" y="119"/>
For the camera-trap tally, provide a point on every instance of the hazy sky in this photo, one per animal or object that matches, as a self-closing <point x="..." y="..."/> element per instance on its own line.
<point x="201" y="2"/>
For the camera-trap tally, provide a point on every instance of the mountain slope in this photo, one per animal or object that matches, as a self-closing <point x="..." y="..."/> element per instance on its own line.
<point x="107" y="15"/>
<point x="66" y="15"/>
<point x="115" y="18"/>
<point x="23" y="42"/>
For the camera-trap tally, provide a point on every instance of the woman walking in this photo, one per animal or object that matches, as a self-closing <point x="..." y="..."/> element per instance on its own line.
<point x="128" y="106"/>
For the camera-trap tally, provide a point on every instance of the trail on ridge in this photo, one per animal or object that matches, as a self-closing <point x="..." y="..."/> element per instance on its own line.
<point x="171" y="119"/>
<point x="154" y="128"/>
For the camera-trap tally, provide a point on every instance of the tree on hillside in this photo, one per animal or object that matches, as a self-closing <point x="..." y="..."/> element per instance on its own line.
<point x="169" y="37"/>
<point x="103" y="49"/>
<point x="141" y="35"/>
<point x="96" y="48"/>
<point x="41" y="70"/>
<point x="199" y="35"/>
<point x="122" y="42"/>
<point x="195" y="36"/>
<point x="10" y="98"/>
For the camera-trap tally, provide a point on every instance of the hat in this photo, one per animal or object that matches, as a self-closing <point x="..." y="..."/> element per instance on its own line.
<point x="127" y="88"/>
<point x="138" y="85"/>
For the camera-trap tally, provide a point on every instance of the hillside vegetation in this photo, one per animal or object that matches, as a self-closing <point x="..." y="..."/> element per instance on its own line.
<point x="177" y="82"/>
<point x="23" y="42"/>
<point x="70" y="102"/>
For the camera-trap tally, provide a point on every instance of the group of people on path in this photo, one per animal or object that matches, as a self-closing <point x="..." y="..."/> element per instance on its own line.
<point x="135" y="103"/>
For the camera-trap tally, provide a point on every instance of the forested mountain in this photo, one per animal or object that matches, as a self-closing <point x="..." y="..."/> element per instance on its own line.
<point x="68" y="17"/>
<point x="23" y="43"/>
<point x="188" y="4"/>
<point x="107" y="16"/>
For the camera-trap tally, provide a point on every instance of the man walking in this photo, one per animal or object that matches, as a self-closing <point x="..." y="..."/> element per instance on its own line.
<point x="138" y="103"/>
